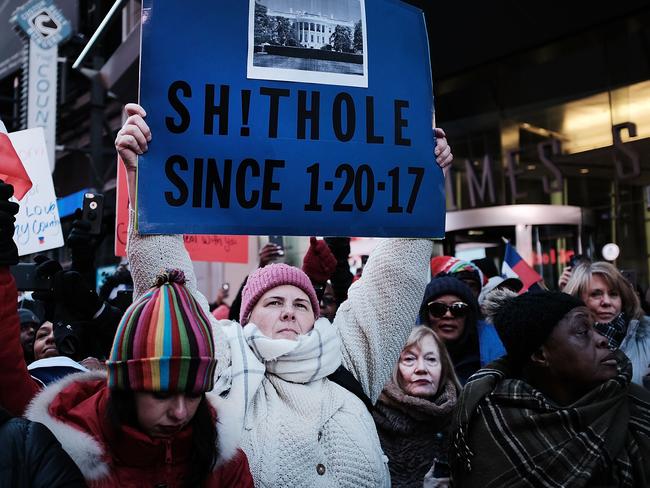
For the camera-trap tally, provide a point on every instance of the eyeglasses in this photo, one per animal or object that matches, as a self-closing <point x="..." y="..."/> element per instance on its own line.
<point x="439" y="309"/>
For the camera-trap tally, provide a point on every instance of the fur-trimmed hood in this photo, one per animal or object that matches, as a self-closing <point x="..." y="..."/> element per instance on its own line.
<point x="87" y="449"/>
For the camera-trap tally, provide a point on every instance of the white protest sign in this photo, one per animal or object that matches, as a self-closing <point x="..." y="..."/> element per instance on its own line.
<point x="38" y="227"/>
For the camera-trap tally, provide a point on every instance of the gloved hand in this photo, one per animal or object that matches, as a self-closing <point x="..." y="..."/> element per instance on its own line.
<point x="340" y="246"/>
<point x="71" y="298"/>
<point x="319" y="263"/>
<point x="46" y="268"/>
<point x="82" y="243"/>
<point x="8" y="210"/>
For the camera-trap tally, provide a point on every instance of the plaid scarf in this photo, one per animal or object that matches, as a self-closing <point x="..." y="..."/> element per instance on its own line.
<point x="614" y="331"/>
<point x="602" y="438"/>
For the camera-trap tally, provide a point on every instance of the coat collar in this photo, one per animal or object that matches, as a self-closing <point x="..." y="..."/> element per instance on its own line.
<point x="86" y="444"/>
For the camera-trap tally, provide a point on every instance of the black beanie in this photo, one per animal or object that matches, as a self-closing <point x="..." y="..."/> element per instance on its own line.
<point x="447" y="285"/>
<point x="524" y="322"/>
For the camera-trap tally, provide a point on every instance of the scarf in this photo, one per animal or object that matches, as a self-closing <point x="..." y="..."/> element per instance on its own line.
<point x="312" y="357"/>
<point x="614" y="331"/>
<point x="414" y="432"/>
<point x="606" y="433"/>
<point x="253" y="355"/>
<point x="402" y="413"/>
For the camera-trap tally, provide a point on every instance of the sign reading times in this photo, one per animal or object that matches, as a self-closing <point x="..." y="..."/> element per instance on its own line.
<point x="292" y="117"/>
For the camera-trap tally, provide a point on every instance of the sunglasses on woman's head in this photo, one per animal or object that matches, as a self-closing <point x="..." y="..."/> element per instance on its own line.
<point x="439" y="309"/>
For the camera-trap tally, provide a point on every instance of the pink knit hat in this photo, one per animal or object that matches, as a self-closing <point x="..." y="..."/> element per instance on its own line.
<point x="270" y="276"/>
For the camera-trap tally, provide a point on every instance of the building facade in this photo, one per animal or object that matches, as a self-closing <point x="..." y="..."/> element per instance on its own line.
<point x="312" y="30"/>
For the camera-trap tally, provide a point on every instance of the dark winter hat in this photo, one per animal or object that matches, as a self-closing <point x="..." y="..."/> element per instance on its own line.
<point x="447" y="285"/>
<point x="27" y="317"/>
<point x="524" y="322"/>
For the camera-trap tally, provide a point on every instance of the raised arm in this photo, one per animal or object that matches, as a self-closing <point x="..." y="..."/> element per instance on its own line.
<point x="149" y="255"/>
<point x="382" y="306"/>
<point x="17" y="387"/>
<point x="381" y="309"/>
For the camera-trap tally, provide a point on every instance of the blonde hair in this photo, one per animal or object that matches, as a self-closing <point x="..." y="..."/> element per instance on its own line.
<point x="578" y="285"/>
<point x="447" y="372"/>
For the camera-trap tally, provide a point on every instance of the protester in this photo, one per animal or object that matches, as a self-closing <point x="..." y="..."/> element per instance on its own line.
<point x="59" y="349"/>
<point x="414" y="411"/>
<point x="619" y="316"/>
<point x="470" y="274"/>
<point x="558" y="410"/>
<point x="29" y="323"/>
<point x="31" y="457"/>
<point x="150" y="422"/>
<point x="301" y="429"/>
<point x="450" y="309"/>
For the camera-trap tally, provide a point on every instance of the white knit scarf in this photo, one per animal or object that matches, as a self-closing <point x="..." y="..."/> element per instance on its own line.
<point x="312" y="357"/>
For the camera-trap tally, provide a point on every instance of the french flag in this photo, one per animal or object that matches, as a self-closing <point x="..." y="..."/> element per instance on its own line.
<point x="12" y="170"/>
<point x="514" y="266"/>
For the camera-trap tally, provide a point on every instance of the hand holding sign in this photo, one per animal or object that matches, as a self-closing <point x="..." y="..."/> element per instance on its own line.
<point x="131" y="141"/>
<point x="444" y="157"/>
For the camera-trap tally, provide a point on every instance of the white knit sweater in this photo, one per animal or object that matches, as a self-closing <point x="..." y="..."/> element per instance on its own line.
<point x="318" y="434"/>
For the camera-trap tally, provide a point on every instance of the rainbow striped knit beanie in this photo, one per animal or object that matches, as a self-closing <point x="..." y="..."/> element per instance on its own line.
<point x="163" y="342"/>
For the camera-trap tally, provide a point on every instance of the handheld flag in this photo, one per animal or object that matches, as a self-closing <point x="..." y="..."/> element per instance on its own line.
<point x="12" y="170"/>
<point x="514" y="266"/>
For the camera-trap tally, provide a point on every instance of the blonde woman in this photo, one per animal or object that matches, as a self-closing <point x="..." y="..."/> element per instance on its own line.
<point x="617" y="312"/>
<point x="415" y="409"/>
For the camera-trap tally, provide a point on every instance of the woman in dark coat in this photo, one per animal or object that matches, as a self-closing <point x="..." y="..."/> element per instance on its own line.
<point x="451" y="310"/>
<point x="414" y="411"/>
<point x="557" y="410"/>
<point x="32" y="457"/>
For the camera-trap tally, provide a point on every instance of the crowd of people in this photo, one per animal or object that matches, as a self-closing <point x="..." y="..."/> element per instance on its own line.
<point x="421" y="372"/>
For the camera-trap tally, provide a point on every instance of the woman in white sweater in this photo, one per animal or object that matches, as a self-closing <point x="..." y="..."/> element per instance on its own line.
<point x="299" y="428"/>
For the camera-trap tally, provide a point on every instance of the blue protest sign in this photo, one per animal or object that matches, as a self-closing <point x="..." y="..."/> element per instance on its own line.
<point x="290" y="117"/>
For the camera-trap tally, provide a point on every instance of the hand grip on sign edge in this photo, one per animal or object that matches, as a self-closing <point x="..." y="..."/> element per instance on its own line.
<point x="443" y="154"/>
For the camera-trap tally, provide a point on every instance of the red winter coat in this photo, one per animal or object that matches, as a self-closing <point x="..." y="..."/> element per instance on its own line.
<point x="17" y="387"/>
<point x="75" y="410"/>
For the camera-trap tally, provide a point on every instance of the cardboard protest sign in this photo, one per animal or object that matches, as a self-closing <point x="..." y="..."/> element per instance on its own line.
<point x="214" y="248"/>
<point x="38" y="227"/>
<point x="290" y="117"/>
